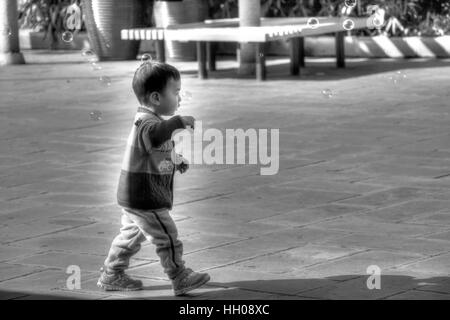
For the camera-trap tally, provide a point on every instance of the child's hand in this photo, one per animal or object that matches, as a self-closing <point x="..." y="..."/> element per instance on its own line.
<point x="188" y="121"/>
<point x="182" y="165"/>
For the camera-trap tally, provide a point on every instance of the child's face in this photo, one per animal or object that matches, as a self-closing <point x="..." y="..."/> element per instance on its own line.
<point x="170" y="98"/>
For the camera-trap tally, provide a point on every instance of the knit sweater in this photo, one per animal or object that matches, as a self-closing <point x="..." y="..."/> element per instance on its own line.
<point x="146" y="176"/>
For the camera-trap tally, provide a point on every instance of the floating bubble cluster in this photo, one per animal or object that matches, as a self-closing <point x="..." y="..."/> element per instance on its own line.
<point x="95" y="66"/>
<point x="397" y="77"/>
<point x="95" y="115"/>
<point x="106" y="81"/>
<point x="313" y="23"/>
<point x="327" y="93"/>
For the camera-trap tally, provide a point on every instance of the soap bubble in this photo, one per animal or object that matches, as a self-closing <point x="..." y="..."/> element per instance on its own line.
<point x="89" y="55"/>
<point x="186" y="95"/>
<point x="96" y="66"/>
<point x="146" y="57"/>
<point x="67" y="36"/>
<point x="350" y="3"/>
<point x="348" y="24"/>
<point x="313" y="23"/>
<point x="377" y="22"/>
<point x="105" y="80"/>
<point x="401" y="74"/>
<point x="397" y="77"/>
<point x="327" y="93"/>
<point x="95" y="115"/>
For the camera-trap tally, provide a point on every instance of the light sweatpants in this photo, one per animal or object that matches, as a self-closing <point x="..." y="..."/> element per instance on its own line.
<point x="140" y="225"/>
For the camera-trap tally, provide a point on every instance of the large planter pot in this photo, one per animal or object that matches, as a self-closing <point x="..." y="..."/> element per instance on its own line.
<point x="167" y="13"/>
<point x="105" y="18"/>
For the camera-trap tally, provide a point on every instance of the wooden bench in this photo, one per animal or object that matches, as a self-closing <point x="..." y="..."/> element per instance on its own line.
<point x="228" y="30"/>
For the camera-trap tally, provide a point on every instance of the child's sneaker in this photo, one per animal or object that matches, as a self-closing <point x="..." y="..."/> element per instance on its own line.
<point x="189" y="280"/>
<point x="118" y="281"/>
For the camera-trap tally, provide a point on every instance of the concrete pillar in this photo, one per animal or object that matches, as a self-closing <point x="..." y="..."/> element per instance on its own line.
<point x="9" y="34"/>
<point x="249" y="16"/>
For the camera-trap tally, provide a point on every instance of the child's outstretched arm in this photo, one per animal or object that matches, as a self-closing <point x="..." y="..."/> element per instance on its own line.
<point x="154" y="134"/>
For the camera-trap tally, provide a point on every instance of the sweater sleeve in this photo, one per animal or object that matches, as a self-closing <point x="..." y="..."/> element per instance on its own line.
<point x="153" y="134"/>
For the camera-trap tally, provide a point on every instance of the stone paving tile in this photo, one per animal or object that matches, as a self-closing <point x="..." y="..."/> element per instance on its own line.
<point x="17" y="232"/>
<point x="37" y="283"/>
<point x="86" y="262"/>
<point x="419" y="295"/>
<point x="11" y="270"/>
<point x="392" y="243"/>
<point x="295" y="259"/>
<point x="239" y="294"/>
<point x="68" y="243"/>
<point x="435" y="265"/>
<point x="385" y="198"/>
<point x="439" y="236"/>
<point x="18" y="193"/>
<point x="200" y="241"/>
<point x="405" y="211"/>
<point x="357" y="264"/>
<point x="288" y="238"/>
<point x="311" y="215"/>
<point x="227" y="210"/>
<point x="358" y="288"/>
<point x="63" y="295"/>
<point x="359" y="224"/>
<point x="439" y="218"/>
<point x="401" y="169"/>
<point x="327" y="185"/>
<point x="57" y="186"/>
<point x="227" y="228"/>
<point x="38" y="212"/>
<point x="75" y="200"/>
<point x="34" y="176"/>
<point x="8" y="252"/>
<point x="229" y="277"/>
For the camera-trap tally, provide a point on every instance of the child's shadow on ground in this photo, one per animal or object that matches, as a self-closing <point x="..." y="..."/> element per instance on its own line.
<point x="337" y="287"/>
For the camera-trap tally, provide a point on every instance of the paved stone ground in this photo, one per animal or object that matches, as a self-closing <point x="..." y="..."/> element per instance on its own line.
<point x="364" y="180"/>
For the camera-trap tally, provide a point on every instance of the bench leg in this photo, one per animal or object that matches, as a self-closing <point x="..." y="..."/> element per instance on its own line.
<point x="301" y="48"/>
<point x="201" y="58"/>
<point x="260" y="62"/>
<point x="211" y="55"/>
<point x="295" y="56"/>
<point x="340" y="50"/>
<point x="160" y="51"/>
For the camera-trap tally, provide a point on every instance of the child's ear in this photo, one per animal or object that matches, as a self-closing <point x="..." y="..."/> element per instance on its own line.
<point x="154" y="98"/>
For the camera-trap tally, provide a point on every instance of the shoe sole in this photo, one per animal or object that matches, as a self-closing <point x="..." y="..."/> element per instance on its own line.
<point x="108" y="287"/>
<point x="194" y="286"/>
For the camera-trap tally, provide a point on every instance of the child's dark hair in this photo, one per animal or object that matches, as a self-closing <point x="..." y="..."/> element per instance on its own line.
<point x="152" y="76"/>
